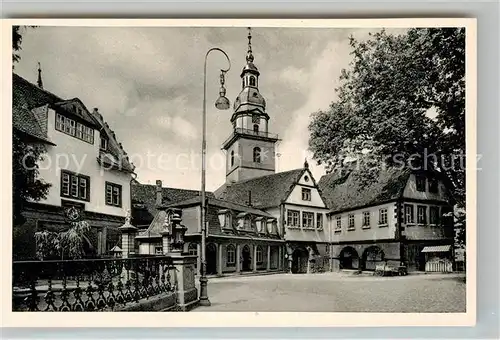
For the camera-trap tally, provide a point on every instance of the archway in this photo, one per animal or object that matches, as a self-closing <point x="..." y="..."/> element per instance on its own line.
<point x="211" y="259"/>
<point x="246" y="258"/>
<point x="349" y="258"/>
<point x="300" y="257"/>
<point x="371" y="257"/>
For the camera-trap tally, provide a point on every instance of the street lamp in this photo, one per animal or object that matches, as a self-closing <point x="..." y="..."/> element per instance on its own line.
<point x="222" y="103"/>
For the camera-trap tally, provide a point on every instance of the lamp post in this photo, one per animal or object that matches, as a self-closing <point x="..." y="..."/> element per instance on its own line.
<point x="222" y="103"/>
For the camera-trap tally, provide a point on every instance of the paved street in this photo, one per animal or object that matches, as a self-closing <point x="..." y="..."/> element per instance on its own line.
<point x="333" y="292"/>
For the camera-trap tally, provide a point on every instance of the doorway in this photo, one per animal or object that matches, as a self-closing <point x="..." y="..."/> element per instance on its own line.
<point x="211" y="259"/>
<point x="299" y="261"/>
<point x="246" y="259"/>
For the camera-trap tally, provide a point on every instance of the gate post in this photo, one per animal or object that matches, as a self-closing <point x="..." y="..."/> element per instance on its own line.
<point x="186" y="292"/>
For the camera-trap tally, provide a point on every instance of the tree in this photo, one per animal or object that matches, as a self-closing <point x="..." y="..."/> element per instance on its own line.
<point x="402" y="101"/>
<point x="17" y="39"/>
<point x="26" y="186"/>
<point x="65" y="244"/>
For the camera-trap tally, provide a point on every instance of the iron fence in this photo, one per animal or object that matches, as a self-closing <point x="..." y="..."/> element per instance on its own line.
<point x="89" y="284"/>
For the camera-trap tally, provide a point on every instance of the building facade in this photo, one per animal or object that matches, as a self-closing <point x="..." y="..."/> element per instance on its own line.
<point x="402" y="217"/>
<point x="85" y="165"/>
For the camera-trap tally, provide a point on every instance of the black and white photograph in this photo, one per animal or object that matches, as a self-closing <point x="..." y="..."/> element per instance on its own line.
<point x="239" y="168"/>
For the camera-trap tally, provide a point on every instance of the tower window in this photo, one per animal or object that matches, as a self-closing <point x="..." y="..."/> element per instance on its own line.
<point x="256" y="128"/>
<point x="232" y="157"/>
<point x="256" y="155"/>
<point x="255" y="119"/>
<point x="252" y="81"/>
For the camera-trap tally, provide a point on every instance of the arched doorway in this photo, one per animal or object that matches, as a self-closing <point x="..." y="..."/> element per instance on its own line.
<point x="349" y="258"/>
<point x="246" y="259"/>
<point x="371" y="257"/>
<point x="299" y="261"/>
<point x="211" y="259"/>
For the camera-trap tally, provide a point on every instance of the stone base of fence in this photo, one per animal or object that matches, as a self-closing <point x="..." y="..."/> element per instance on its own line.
<point x="162" y="303"/>
<point x="187" y="294"/>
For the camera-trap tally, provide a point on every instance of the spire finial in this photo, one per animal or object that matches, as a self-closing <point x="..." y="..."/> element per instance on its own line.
<point x="306" y="164"/>
<point x="39" y="81"/>
<point x="249" y="53"/>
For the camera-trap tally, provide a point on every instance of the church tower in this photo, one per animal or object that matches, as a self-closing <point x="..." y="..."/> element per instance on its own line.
<point x="250" y="149"/>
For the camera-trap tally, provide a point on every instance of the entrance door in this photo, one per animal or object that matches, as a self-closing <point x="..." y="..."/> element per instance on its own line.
<point x="211" y="259"/>
<point x="247" y="260"/>
<point x="299" y="261"/>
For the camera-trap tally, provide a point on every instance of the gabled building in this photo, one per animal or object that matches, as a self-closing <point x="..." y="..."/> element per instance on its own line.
<point x="291" y="197"/>
<point x="87" y="167"/>
<point x="400" y="217"/>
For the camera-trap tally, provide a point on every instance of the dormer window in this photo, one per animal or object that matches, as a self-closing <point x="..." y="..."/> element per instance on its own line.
<point x="225" y="219"/>
<point x="104" y="144"/>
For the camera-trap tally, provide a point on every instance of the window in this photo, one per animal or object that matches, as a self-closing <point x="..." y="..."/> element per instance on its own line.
<point x="366" y="219"/>
<point x="230" y="255"/>
<point x="255" y="119"/>
<point x="421" y="214"/>
<point x="382" y="216"/>
<point x="338" y="225"/>
<point x="351" y="225"/>
<point x="256" y="155"/>
<point x="433" y="185"/>
<point x="59" y="122"/>
<point x="434" y="215"/>
<point x="409" y="215"/>
<point x="256" y="128"/>
<point x="420" y="181"/>
<point x="74" y="128"/>
<point x="307" y="219"/>
<point x="193" y="249"/>
<point x="113" y="194"/>
<point x="158" y="250"/>
<point x="75" y="186"/>
<point x="306" y="194"/>
<point x="293" y="218"/>
<point x="252" y="81"/>
<point x="319" y="221"/>
<point x="104" y="143"/>
<point x="259" y="257"/>
<point x="232" y="158"/>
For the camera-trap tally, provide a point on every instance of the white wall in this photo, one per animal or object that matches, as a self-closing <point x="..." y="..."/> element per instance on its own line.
<point x="375" y="232"/>
<point x="78" y="156"/>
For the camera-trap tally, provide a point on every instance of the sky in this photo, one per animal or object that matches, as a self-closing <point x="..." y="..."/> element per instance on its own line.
<point x="147" y="82"/>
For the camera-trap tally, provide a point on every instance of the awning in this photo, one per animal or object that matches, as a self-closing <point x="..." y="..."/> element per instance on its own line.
<point x="436" y="249"/>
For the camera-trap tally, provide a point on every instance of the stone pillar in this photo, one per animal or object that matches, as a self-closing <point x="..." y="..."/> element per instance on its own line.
<point x="268" y="267"/>
<point x="186" y="292"/>
<point x="128" y="239"/>
<point x="238" y="259"/>
<point x="165" y="238"/>
<point x="254" y="259"/>
<point x="219" y="259"/>
<point x="280" y="258"/>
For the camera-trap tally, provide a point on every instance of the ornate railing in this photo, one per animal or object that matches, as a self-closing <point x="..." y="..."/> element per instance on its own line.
<point x="90" y="284"/>
<point x="241" y="131"/>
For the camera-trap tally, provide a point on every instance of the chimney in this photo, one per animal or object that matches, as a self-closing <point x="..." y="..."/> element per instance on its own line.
<point x="159" y="193"/>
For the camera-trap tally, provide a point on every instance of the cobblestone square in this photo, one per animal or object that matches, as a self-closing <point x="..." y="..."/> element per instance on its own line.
<point x="332" y="292"/>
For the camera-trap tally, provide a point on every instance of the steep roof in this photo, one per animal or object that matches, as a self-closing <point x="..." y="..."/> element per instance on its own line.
<point x="144" y="200"/>
<point x="214" y="227"/>
<point x="222" y="204"/>
<point x="349" y="190"/>
<point x="27" y="96"/>
<point x="266" y="191"/>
